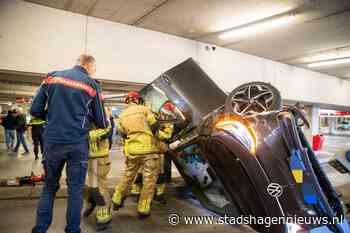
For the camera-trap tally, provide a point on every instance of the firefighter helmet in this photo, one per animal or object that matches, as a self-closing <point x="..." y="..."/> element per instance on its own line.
<point x="133" y="96"/>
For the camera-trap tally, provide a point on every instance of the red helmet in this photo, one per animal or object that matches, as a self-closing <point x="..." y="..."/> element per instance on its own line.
<point x="132" y="96"/>
<point x="167" y="111"/>
<point x="169" y="106"/>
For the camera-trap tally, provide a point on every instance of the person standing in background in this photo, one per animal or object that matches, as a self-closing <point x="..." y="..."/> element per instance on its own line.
<point x="37" y="128"/>
<point x="9" y="123"/>
<point x="21" y="127"/>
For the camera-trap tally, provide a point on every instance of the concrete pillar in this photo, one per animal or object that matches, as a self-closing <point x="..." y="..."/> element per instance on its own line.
<point x="307" y="132"/>
<point x="315" y="120"/>
<point x="333" y="125"/>
<point x="312" y="115"/>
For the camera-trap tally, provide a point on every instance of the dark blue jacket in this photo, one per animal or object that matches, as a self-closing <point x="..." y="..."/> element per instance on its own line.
<point x="69" y="101"/>
<point x="21" y="123"/>
<point x="9" y="122"/>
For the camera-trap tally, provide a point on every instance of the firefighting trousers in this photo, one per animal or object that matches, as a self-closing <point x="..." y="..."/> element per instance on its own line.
<point x="98" y="170"/>
<point x="150" y="172"/>
<point x="160" y="185"/>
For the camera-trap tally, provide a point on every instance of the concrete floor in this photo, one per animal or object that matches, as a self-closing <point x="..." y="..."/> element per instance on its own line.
<point x="18" y="205"/>
<point x="335" y="145"/>
<point x="18" y="217"/>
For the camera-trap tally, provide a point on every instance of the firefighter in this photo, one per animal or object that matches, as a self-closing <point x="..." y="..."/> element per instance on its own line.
<point x="37" y="128"/>
<point x="164" y="132"/>
<point x="99" y="166"/>
<point x="135" y="124"/>
<point x="70" y="100"/>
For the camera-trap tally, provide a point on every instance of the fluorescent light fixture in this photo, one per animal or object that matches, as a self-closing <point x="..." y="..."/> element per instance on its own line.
<point x="330" y="62"/>
<point x="116" y="96"/>
<point x="258" y="27"/>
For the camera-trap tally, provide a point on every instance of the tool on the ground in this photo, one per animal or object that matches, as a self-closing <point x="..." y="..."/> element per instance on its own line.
<point x="31" y="180"/>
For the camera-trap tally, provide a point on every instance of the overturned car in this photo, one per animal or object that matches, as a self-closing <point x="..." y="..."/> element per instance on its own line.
<point x="244" y="154"/>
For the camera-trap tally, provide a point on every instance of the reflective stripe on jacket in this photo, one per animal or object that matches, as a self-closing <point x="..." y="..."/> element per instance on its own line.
<point x="70" y="101"/>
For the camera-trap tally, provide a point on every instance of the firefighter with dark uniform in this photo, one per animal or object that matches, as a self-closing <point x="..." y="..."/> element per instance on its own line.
<point x="140" y="148"/>
<point x="37" y="128"/>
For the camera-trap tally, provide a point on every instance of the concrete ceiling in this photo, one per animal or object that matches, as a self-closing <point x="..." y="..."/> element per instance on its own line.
<point x="321" y="27"/>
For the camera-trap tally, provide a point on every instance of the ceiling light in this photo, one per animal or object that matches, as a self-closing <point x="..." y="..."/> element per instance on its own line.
<point x="330" y="62"/>
<point x="258" y="27"/>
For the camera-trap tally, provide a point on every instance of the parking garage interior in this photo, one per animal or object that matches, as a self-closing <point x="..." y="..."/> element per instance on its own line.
<point x="300" y="47"/>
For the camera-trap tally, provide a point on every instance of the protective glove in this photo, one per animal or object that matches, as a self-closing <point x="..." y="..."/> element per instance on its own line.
<point x="174" y="145"/>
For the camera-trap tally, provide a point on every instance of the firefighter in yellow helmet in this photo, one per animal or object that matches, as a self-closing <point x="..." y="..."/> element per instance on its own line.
<point x="164" y="132"/>
<point x="140" y="147"/>
<point x="98" y="168"/>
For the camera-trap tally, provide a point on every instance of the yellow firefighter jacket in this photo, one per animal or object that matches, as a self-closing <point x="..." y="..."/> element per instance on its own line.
<point x="98" y="143"/>
<point x="165" y="131"/>
<point x="135" y="122"/>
